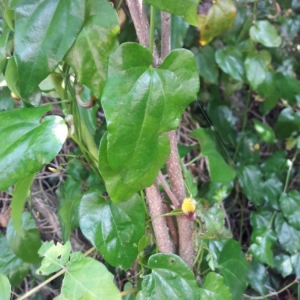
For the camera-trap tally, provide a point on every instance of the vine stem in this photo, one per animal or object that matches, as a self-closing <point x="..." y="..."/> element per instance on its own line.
<point x="291" y="163"/>
<point x="273" y="293"/>
<point x="154" y="200"/>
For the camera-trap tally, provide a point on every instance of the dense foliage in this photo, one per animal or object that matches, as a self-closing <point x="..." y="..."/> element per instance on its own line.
<point x="90" y="96"/>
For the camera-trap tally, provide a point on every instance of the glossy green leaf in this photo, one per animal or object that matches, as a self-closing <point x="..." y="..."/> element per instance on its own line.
<point x="44" y="31"/>
<point x="270" y="92"/>
<point x="185" y="8"/>
<point x="234" y="268"/>
<point x="20" y="194"/>
<point x="178" y="31"/>
<point x="6" y="100"/>
<point x="256" y="65"/>
<point x="287" y="86"/>
<point x="12" y="77"/>
<point x="5" y="287"/>
<point x="261" y="218"/>
<point x="69" y="196"/>
<point x="86" y="278"/>
<point x="170" y="278"/>
<point x="89" y="55"/>
<point x="214" y="288"/>
<point x="288" y="236"/>
<point x="275" y="164"/>
<point x="264" y="131"/>
<point x="28" y="144"/>
<point x="287" y="123"/>
<point x="265" y="33"/>
<point x="55" y="257"/>
<point x="3" y="45"/>
<point x="251" y="182"/>
<point x="141" y="104"/>
<point x="206" y="64"/>
<point x="283" y="264"/>
<point x="25" y="246"/>
<point x="263" y="240"/>
<point x="295" y="259"/>
<point x="257" y="277"/>
<point x="290" y="207"/>
<point x="231" y="61"/>
<point x="218" y="18"/>
<point x="272" y="189"/>
<point x="218" y="169"/>
<point x="213" y="227"/>
<point x="114" y="229"/>
<point x="10" y="265"/>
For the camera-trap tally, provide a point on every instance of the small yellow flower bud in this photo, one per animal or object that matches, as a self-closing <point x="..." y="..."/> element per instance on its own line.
<point x="189" y="208"/>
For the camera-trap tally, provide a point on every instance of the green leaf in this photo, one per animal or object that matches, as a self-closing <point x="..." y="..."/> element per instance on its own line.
<point x="69" y="196"/>
<point x="275" y="164"/>
<point x="251" y="182"/>
<point x="178" y="31"/>
<point x="287" y="86"/>
<point x="261" y="218"/>
<point x="89" y="55"/>
<point x="141" y="104"/>
<point x="5" y="288"/>
<point x="206" y="64"/>
<point x="185" y="8"/>
<point x="234" y="268"/>
<point x="256" y="65"/>
<point x="114" y="229"/>
<point x="6" y="100"/>
<point x="264" y="131"/>
<point x="283" y="264"/>
<point x="290" y="207"/>
<point x="288" y="236"/>
<point x="217" y="19"/>
<point x="213" y="219"/>
<point x="12" y="77"/>
<point x="263" y="240"/>
<point x="55" y="257"/>
<point x="25" y="246"/>
<point x="171" y="278"/>
<point x="231" y="61"/>
<point x="20" y="194"/>
<point x="87" y="278"/>
<point x="272" y="189"/>
<point x="218" y="169"/>
<point x="287" y="123"/>
<point x="295" y="259"/>
<point x="257" y="277"/>
<point x="4" y="49"/>
<point x="27" y="144"/>
<point x="265" y="33"/>
<point x="44" y="31"/>
<point x="10" y="265"/>
<point x="214" y="288"/>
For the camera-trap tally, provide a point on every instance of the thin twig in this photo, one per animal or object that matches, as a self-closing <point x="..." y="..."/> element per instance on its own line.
<point x="168" y="190"/>
<point x="273" y="293"/>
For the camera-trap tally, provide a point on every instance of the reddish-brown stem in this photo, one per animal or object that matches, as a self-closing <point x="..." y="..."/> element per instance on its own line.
<point x="159" y="225"/>
<point x="185" y="228"/>
<point x="155" y="203"/>
<point x="168" y="190"/>
<point x="172" y="227"/>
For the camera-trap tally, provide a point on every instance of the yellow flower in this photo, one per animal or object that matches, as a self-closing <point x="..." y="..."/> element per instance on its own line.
<point x="189" y="208"/>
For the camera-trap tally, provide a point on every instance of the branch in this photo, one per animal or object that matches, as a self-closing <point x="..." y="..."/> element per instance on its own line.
<point x="141" y="24"/>
<point x="185" y="228"/>
<point x="167" y="190"/>
<point x="159" y="224"/>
